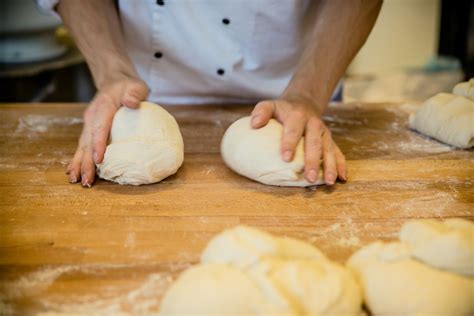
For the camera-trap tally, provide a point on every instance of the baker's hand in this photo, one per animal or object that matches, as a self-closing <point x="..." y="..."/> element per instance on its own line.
<point x="98" y="118"/>
<point x="299" y="117"/>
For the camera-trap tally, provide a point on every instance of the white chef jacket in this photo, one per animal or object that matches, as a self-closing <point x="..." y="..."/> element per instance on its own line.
<point x="214" y="51"/>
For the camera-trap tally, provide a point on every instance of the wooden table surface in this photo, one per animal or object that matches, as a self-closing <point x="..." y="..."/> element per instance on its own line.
<point x="113" y="248"/>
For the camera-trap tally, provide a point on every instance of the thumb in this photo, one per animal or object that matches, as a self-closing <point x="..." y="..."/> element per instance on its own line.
<point x="262" y="113"/>
<point x="134" y="92"/>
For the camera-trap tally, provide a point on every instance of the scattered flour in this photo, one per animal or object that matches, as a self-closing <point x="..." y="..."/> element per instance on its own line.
<point x="141" y="300"/>
<point x="41" y="123"/>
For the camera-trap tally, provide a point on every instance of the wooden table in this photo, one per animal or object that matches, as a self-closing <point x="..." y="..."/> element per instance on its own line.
<point x="116" y="248"/>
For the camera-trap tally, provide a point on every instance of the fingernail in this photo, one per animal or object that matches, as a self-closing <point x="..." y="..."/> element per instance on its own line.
<point x="343" y="176"/>
<point x="287" y="155"/>
<point x="312" y="175"/>
<point x="255" y="119"/>
<point x="330" y="178"/>
<point x="131" y="99"/>
<point x="85" y="181"/>
<point x="96" y="157"/>
<point x="72" y="179"/>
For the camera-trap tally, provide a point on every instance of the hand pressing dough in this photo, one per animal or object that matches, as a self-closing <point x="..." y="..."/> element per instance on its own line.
<point x="256" y="154"/>
<point x="448" y="118"/>
<point x="145" y="146"/>
<point x="447" y="245"/>
<point x="428" y="273"/>
<point x="245" y="271"/>
<point x="465" y="89"/>
<point x="394" y="283"/>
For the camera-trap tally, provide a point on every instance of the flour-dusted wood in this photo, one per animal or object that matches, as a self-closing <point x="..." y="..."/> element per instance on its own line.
<point x="114" y="248"/>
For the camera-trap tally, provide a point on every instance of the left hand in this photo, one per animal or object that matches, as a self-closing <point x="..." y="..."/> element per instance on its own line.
<point x="299" y="117"/>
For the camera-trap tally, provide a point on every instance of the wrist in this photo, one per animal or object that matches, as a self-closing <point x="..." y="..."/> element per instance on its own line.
<point x="112" y="69"/>
<point x="318" y="104"/>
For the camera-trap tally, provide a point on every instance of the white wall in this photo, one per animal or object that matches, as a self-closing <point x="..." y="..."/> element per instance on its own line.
<point x="405" y="36"/>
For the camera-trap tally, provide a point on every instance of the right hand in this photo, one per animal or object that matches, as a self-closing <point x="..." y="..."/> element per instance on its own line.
<point x="126" y="91"/>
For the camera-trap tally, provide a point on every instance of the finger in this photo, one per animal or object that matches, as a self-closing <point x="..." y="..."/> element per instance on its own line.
<point x="87" y="168"/>
<point x="329" y="159"/>
<point x="313" y="149"/>
<point x="133" y="93"/>
<point x="262" y="113"/>
<point x="340" y="164"/>
<point x="74" y="168"/>
<point x="101" y="129"/>
<point x="293" y="129"/>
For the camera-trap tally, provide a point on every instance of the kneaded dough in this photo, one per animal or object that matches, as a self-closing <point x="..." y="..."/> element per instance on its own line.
<point x="255" y="154"/>
<point x="245" y="271"/>
<point x="448" y="118"/>
<point x="394" y="283"/>
<point x="215" y="289"/>
<point x="243" y="246"/>
<point x="465" y="89"/>
<point x="447" y="245"/>
<point x="145" y="146"/>
<point x="429" y="272"/>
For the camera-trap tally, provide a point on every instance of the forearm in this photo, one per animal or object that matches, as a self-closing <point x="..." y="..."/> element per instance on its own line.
<point x="96" y="28"/>
<point x="341" y="28"/>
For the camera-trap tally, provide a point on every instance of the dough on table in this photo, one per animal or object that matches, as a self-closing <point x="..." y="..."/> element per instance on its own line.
<point x="244" y="271"/>
<point x="465" y="89"/>
<point x="402" y="278"/>
<point x="448" y="118"/>
<point x="445" y="245"/>
<point x="256" y="154"/>
<point x="145" y="146"/>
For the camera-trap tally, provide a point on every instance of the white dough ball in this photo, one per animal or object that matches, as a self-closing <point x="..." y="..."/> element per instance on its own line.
<point x="145" y="146"/>
<point x="446" y="245"/>
<point x="215" y="289"/>
<point x="465" y="89"/>
<point x="256" y="154"/>
<point x="396" y="284"/>
<point x="448" y="118"/>
<point x="245" y="271"/>
<point x="243" y="246"/>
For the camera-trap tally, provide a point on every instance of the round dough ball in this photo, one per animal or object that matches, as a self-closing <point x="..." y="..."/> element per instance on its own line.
<point x="245" y="271"/>
<point x="446" y="117"/>
<point x="243" y="246"/>
<point x="396" y="284"/>
<point x="309" y="287"/>
<point x="214" y="289"/>
<point x="145" y="146"/>
<point x="446" y="245"/>
<point x="255" y="154"/>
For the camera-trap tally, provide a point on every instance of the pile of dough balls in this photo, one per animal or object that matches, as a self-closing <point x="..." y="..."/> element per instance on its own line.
<point x="428" y="272"/>
<point x="146" y="146"/>
<point x="448" y="117"/>
<point x="255" y="154"/>
<point x="245" y="272"/>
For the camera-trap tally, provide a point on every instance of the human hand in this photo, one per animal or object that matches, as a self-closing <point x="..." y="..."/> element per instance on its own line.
<point x="98" y="116"/>
<point x="299" y="117"/>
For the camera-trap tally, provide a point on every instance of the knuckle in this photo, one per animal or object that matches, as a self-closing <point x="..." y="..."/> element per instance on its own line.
<point x="298" y="114"/>
<point x="291" y="132"/>
<point x="88" y="114"/>
<point x="315" y="122"/>
<point x="327" y="133"/>
<point x="314" y="147"/>
<point x="317" y="147"/>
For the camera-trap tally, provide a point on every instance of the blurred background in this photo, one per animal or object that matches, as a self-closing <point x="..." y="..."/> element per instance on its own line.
<point x="417" y="49"/>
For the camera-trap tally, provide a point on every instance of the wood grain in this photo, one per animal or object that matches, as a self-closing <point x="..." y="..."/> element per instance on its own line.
<point x="113" y="248"/>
